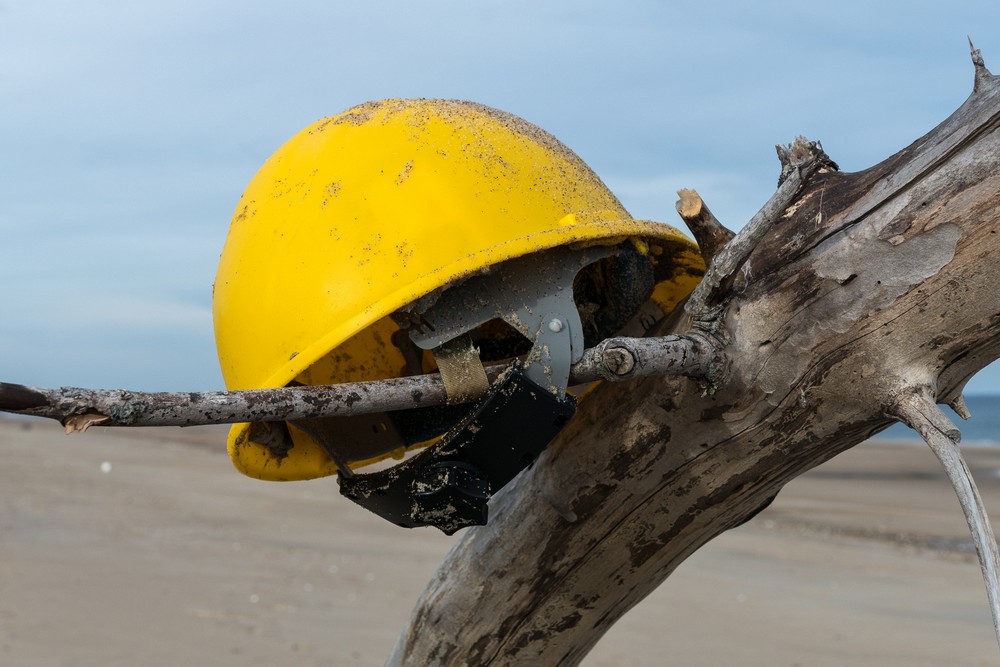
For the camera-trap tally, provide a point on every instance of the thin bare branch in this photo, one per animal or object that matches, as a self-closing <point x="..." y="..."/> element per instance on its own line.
<point x="799" y="160"/>
<point x="614" y="359"/>
<point x="921" y="414"/>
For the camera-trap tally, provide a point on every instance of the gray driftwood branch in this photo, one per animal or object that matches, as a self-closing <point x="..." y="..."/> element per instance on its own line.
<point x="857" y="299"/>
<point x="918" y="410"/>
<point x="614" y="359"/>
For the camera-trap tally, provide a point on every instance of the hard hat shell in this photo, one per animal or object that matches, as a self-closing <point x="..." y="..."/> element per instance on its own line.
<point x="364" y="212"/>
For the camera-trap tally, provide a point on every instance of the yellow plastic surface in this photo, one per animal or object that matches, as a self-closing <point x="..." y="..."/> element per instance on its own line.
<point x="364" y="212"/>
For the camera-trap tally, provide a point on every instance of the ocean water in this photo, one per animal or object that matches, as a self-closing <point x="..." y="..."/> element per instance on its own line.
<point x="982" y="429"/>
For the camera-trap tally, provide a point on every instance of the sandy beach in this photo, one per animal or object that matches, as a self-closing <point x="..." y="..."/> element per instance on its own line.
<point x="123" y="547"/>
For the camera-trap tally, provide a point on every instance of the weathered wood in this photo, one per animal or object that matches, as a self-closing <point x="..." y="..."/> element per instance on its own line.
<point x="614" y="359"/>
<point x="869" y="287"/>
<point x="711" y="235"/>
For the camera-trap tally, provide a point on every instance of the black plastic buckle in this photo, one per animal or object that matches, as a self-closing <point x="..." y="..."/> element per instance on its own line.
<point x="449" y="484"/>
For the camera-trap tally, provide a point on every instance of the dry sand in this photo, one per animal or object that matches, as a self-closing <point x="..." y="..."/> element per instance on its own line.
<point x="147" y="548"/>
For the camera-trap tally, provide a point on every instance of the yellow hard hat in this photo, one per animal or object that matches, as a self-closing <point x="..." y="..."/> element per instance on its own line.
<point x="363" y="224"/>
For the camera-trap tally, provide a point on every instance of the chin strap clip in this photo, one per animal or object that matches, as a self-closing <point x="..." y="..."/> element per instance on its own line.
<point x="449" y="484"/>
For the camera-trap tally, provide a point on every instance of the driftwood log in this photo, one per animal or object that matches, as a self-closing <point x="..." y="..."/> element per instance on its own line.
<point x="873" y="297"/>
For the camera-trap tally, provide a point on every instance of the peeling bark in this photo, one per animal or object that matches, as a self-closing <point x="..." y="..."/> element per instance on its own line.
<point x="862" y="288"/>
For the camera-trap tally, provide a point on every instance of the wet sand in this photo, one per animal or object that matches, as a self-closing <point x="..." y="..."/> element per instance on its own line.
<point x="146" y="548"/>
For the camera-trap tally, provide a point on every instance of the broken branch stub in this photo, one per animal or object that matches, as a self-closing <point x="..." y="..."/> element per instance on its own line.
<point x="711" y="235"/>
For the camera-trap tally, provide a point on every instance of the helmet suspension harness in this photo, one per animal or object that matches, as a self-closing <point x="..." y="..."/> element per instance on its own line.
<point x="449" y="484"/>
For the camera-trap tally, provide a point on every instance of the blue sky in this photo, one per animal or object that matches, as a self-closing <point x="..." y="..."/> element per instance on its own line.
<point x="128" y="129"/>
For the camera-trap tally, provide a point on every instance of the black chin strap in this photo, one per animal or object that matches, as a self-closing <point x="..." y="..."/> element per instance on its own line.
<point x="449" y="484"/>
